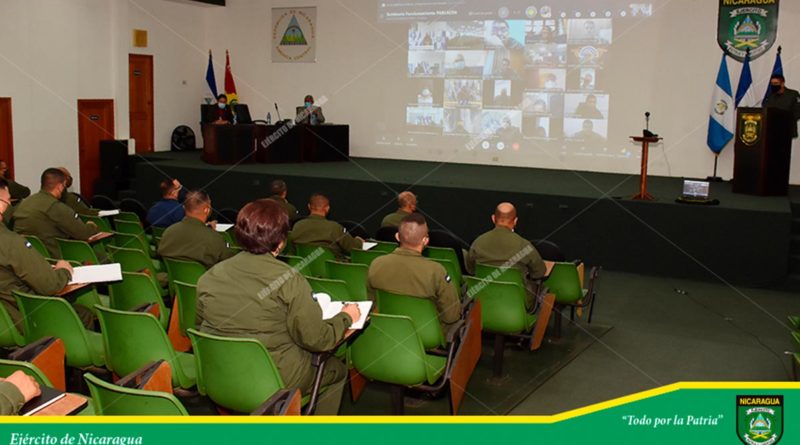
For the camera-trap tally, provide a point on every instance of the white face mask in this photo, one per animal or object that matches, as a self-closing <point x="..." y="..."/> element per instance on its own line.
<point x="222" y="106"/>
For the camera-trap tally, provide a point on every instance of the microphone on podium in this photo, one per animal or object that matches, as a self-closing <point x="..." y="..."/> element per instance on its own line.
<point x="278" y="111"/>
<point x="646" y="132"/>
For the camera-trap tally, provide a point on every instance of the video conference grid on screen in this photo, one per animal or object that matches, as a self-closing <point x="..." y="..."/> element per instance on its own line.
<point x="508" y="82"/>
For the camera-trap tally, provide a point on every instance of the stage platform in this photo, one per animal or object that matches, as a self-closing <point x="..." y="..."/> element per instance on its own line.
<point x="744" y="240"/>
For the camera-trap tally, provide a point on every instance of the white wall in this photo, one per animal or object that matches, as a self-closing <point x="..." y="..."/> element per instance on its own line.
<point x="53" y="52"/>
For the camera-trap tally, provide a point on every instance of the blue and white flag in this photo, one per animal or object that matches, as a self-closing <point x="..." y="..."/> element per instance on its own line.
<point x="745" y="92"/>
<point x="777" y="70"/>
<point x="210" y="78"/>
<point x="721" y="119"/>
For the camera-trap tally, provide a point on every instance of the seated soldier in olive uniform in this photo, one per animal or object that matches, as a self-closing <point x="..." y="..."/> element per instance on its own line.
<point x="191" y="239"/>
<point x="502" y="247"/>
<point x="22" y="268"/>
<point x="279" y="192"/>
<point x="45" y="216"/>
<point x="255" y="295"/>
<point x="18" y="191"/>
<point x="15" y="391"/>
<point x="73" y="200"/>
<point x="406" y="272"/>
<point x="407" y="204"/>
<point x="317" y="230"/>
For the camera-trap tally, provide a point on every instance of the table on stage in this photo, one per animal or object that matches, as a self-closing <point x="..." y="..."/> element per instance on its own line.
<point x="231" y="144"/>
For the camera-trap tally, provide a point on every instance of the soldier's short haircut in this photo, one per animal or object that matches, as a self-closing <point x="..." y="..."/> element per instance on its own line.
<point x="405" y="198"/>
<point x="779" y="77"/>
<point x="413" y="229"/>
<point x="261" y="226"/>
<point x="505" y="211"/>
<point x="166" y="187"/>
<point x="195" y="199"/>
<point x="51" y="178"/>
<point x="318" y="201"/>
<point x="277" y="187"/>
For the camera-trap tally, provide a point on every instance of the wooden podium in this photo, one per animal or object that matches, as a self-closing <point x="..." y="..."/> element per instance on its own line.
<point x="645" y="141"/>
<point x="762" y="151"/>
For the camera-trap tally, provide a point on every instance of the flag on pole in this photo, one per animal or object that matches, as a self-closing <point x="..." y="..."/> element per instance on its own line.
<point x="210" y="78"/>
<point x="777" y="69"/>
<point x="745" y="93"/>
<point x="721" y="119"/>
<point x="230" y="87"/>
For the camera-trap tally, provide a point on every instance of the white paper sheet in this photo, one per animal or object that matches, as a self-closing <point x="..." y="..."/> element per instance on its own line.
<point x="103" y="273"/>
<point x="368" y="245"/>
<point x="223" y="227"/>
<point x="104" y="213"/>
<point x="331" y="308"/>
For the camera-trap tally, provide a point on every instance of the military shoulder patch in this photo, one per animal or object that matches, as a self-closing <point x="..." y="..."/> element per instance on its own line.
<point x="76" y="216"/>
<point x="447" y="278"/>
<point x="28" y="244"/>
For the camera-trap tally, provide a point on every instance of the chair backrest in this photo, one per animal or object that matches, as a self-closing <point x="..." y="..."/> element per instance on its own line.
<point x="101" y="223"/>
<point x="186" y="271"/>
<point x="565" y="283"/>
<point x="9" y="334"/>
<point x="127" y="216"/>
<point x="131" y="260"/>
<point x="337" y="289"/>
<point x="421" y="311"/>
<point x="54" y="317"/>
<point x="129" y="227"/>
<point x="549" y="250"/>
<point x="130" y="241"/>
<point x="131" y="205"/>
<point x="446" y="253"/>
<point x="187" y="305"/>
<point x="502" y="305"/>
<point x="452" y="270"/>
<point x="134" y="339"/>
<point x="443" y="238"/>
<point x="292" y="260"/>
<point x="316" y="257"/>
<point x="390" y="350"/>
<point x="494" y="273"/>
<point x="354" y="275"/>
<point x="76" y="250"/>
<point x="8" y="367"/>
<point x="383" y="246"/>
<point x="37" y="244"/>
<point x="365" y="257"/>
<point x="113" y="400"/>
<point x="236" y="373"/>
<point x="136" y="289"/>
<point x="103" y="202"/>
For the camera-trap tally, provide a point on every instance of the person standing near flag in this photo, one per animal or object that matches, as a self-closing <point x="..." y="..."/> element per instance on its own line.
<point x="783" y="98"/>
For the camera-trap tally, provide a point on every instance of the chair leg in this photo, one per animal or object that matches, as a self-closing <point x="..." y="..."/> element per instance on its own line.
<point x="499" y="349"/>
<point x="572" y="313"/>
<point x="559" y="315"/>
<point x="398" y="399"/>
<point x="591" y="308"/>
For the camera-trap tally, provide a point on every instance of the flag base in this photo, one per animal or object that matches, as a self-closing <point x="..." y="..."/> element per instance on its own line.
<point x="714" y="179"/>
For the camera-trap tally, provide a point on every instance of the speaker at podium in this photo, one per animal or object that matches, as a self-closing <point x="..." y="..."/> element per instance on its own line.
<point x="762" y="151"/>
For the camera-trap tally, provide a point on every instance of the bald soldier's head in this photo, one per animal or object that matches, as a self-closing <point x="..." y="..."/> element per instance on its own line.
<point x="505" y="215"/>
<point x="413" y="232"/>
<point x="197" y="205"/>
<point x="67" y="175"/>
<point x="319" y="204"/>
<point x="53" y="181"/>
<point x="407" y="201"/>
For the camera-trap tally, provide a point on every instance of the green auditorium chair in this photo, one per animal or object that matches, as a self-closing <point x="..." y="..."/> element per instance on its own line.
<point x="38" y="245"/>
<point x="365" y="257"/>
<point x="9" y="334"/>
<point x="421" y="311"/>
<point x="503" y="313"/>
<point x="565" y="282"/>
<point x="134" y="228"/>
<point x="78" y="251"/>
<point x="134" y="260"/>
<point x="117" y="400"/>
<point x="182" y="270"/>
<point x="354" y="275"/>
<point x="127" y="216"/>
<point x="100" y="222"/>
<point x="88" y="297"/>
<point x="794" y="322"/>
<point x="134" y="339"/>
<point x="186" y="299"/>
<point x="135" y="291"/>
<point x="495" y="273"/>
<point x="315" y="256"/>
<point x="129" y="241"/>
<point x="384" y="246"/>
<point x="292" y="260"/>
<point x="55" y="317"/>
<point x="446" y="253"/>
<point x="337" y="289"/>
<point x="453" y="272"/>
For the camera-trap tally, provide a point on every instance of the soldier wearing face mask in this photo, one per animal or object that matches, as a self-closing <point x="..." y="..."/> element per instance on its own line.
<point x="224" y="113"/>
<point x="783" y="98"/>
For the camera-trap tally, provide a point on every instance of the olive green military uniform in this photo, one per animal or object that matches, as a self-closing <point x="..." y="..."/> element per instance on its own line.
<point x="407" y="272"/>
<point x="23" y="269"/>
<point x="17" y="190"/>
<point x="290" y="209"/>
<point x="48" y="218"/>
<point x="789" y="100"/>
<point x="259" y="296"/>
<point x="191" y="240"/>
<point x="394" y="219"/>
<point x="77" y="204"/>
<point x="499" y="246"/>
<point x="11" y="399"/>
<point x="319" y="231"/>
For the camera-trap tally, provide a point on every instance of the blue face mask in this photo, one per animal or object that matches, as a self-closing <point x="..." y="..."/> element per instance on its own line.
<point x="222" y="106"/>
<point x="308" y="104"/>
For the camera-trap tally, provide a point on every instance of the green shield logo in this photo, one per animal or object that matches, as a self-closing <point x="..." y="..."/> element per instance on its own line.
<point x="759" y="419"/>
<point x="747" y="25"/>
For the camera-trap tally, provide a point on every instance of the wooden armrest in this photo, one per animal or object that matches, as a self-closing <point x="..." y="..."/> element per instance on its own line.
<point x="285" y="402"/>
<point x="154" y="376"/>
<point x="47" y="354"/>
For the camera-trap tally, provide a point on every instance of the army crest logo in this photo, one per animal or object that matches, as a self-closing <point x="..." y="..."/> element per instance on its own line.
<point x="759" y="419"/>
<point x="747" y="25"/>
<point x="749" y="128"/>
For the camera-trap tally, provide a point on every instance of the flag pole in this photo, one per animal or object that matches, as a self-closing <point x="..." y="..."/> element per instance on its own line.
<point x="715" y="178"/>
